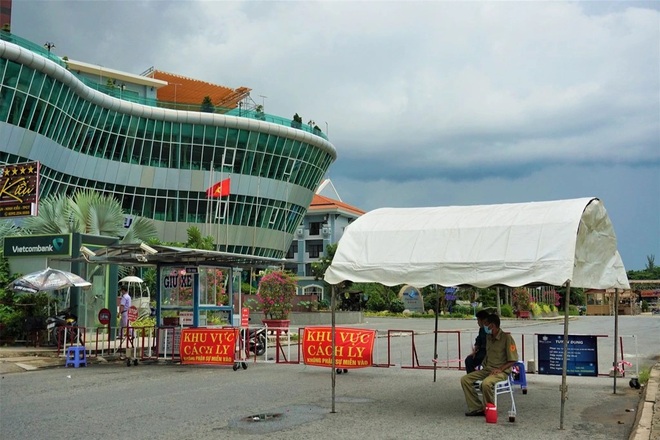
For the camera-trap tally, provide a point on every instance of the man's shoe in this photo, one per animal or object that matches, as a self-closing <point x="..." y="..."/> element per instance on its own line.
<point x="476" y="412"/>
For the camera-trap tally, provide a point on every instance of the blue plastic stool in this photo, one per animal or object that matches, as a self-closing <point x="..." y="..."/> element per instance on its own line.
<point x="518" y="376"/>
<point x="76" y="356"/>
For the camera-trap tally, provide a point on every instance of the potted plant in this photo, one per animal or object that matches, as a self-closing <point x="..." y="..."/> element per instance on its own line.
<point x="522" y="302"/>
<point x="277" y="289"/>
<point x="297" y="121"/>
<point x="259" y="109"/>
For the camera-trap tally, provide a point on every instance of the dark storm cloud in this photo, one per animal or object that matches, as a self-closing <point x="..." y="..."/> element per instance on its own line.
<point x="427" y="103"/>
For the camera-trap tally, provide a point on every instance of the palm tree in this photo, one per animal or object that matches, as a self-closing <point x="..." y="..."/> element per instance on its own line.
<point x="7" y="228"/>
<point x="87" y="212"/>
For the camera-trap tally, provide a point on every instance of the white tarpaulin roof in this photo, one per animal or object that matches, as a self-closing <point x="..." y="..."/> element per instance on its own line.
<point x="510" y="244"/>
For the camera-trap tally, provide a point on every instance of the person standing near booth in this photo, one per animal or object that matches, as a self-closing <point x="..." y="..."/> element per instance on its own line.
<point x="124" y="305"/>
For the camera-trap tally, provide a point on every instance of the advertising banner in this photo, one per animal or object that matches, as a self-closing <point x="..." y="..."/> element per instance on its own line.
<point x="581" y="357"/>
<point x="353" y="347"/>
<point x="19" y="189"/>
<point x="208" y="346"/>
<point x="37" y="245"/>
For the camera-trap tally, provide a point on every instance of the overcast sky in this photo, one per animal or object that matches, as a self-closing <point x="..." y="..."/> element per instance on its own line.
<point x="428" y="103"/>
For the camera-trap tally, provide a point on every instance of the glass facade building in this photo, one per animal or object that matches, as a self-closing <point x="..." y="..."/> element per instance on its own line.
<point x="159" y="161"/>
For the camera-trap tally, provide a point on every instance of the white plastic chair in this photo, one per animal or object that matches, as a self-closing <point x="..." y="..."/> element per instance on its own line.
<point x="502" y="387"/>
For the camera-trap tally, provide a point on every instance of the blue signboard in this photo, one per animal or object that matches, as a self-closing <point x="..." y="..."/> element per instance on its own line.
<point x="581" y="356"/>
<point x="450" y="293"/>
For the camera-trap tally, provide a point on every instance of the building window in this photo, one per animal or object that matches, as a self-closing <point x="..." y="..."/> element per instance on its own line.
<point x="293" y="250"/>
<point x="315" y="249"/>
<point x="314" y="228"/>
<point x="313" y="290"/>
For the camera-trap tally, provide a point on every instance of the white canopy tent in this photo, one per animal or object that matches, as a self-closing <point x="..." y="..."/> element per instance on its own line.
<point x="564" y="242"/>
<point x="510" y="244"/>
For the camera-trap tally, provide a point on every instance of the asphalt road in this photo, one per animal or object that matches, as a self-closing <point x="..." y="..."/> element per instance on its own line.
<point x="169" y="401"/>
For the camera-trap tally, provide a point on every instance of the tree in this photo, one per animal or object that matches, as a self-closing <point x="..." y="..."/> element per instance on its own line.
<point x="207" y="105"/>
<point x="87" y="212"/>
<point x="650" y="265"/>
<point x="319" y="267"/>
<point x="651" y="272"/>
<point x="196" y="241"/>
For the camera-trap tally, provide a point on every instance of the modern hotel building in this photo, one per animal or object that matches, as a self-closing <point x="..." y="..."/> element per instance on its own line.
<point x="94" y="127"/>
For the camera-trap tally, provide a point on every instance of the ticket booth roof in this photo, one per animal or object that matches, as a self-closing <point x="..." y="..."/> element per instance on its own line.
<point x="132" y="254"/>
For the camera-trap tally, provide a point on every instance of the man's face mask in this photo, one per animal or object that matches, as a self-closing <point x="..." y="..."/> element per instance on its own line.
<point x="488" y="330"/>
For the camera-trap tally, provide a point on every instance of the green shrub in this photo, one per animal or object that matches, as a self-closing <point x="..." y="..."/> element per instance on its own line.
<point x="546" y="309"/>
<point x="376" y="303"/>
<point x="506" y="310"/>
<point x="397" y="306"/>
<point x="461" y="311"/>
<point x="430" y="300"/>
<point x="537" y="310"/>
<point x="573" y="310"/>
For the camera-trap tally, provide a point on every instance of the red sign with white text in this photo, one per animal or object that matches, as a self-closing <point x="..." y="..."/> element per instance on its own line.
<point x="132" y="314"/>
<point x="353" y="347"/>
<point x="208" y="346"/>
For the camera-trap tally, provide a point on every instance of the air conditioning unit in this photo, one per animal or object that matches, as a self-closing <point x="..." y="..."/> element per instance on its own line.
<point x="326" y="231"/>
<point x="300" y="232"/>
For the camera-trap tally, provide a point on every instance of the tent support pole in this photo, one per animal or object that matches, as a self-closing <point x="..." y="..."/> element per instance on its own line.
<point x="333" y="374"/>
<point x="616" y="337"/>
<point x="499" y="302"/>
<point x="435" y="342"/>
<point x="564" y="387"/>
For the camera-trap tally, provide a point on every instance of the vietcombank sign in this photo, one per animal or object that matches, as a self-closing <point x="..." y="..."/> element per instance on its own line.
<point x="38" y="245"/>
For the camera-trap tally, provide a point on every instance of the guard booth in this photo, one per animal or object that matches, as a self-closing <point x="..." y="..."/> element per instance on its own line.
<point x="598" y="302"/>
<point x="196" y="296"/>
<point x="195" y="287"/>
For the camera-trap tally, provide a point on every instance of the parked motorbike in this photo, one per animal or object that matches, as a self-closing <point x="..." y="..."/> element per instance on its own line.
<point x="257" y="340"/>
<point x="61" y="323"/>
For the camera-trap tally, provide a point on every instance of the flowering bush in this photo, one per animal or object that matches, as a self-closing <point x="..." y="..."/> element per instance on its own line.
<point x="276" y="292"/>
<point x="522" y="300"/>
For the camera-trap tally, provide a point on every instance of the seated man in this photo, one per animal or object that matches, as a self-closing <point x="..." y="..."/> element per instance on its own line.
<point x="501" y="355"/>
<point x="475" y="358"/>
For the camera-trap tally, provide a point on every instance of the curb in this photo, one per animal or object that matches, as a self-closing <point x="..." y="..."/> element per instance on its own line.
<point x="647" y="407"/>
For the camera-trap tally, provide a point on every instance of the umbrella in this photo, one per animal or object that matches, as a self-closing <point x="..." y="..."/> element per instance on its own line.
<point x="47" y="279"/>
<point x="131" y="279"/>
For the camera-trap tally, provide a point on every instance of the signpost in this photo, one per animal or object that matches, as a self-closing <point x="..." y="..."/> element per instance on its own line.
<point x="104" y="316"/>
<point x="20" y="189"/>
<point x="582" y="355"/>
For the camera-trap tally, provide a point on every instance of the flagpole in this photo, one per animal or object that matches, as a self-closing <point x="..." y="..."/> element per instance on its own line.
<point x="209" y="205"/>
<point x="256" y="216"/>
<point x="218" y="206"/>
<point x="227" y="222"/>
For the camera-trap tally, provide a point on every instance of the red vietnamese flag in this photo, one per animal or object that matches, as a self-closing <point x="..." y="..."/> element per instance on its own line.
<point x="220" y="189"/>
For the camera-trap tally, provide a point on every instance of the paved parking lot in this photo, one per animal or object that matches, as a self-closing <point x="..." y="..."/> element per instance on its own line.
<point x="295" y="401"/>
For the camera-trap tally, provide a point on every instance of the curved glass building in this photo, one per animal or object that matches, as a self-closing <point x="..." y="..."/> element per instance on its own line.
<point x="159" y="161"/>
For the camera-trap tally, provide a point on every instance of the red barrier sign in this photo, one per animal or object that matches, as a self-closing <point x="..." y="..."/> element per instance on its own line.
<point x="132" y="314"/>
<point x="245" y="317"/>
<point x="208" y="346"/>
<point x="353" y="347"/>
<point x="104" y="316"/>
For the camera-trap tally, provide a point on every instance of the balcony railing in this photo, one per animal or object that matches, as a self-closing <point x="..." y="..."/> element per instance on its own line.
<point x="127" y="95"/>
